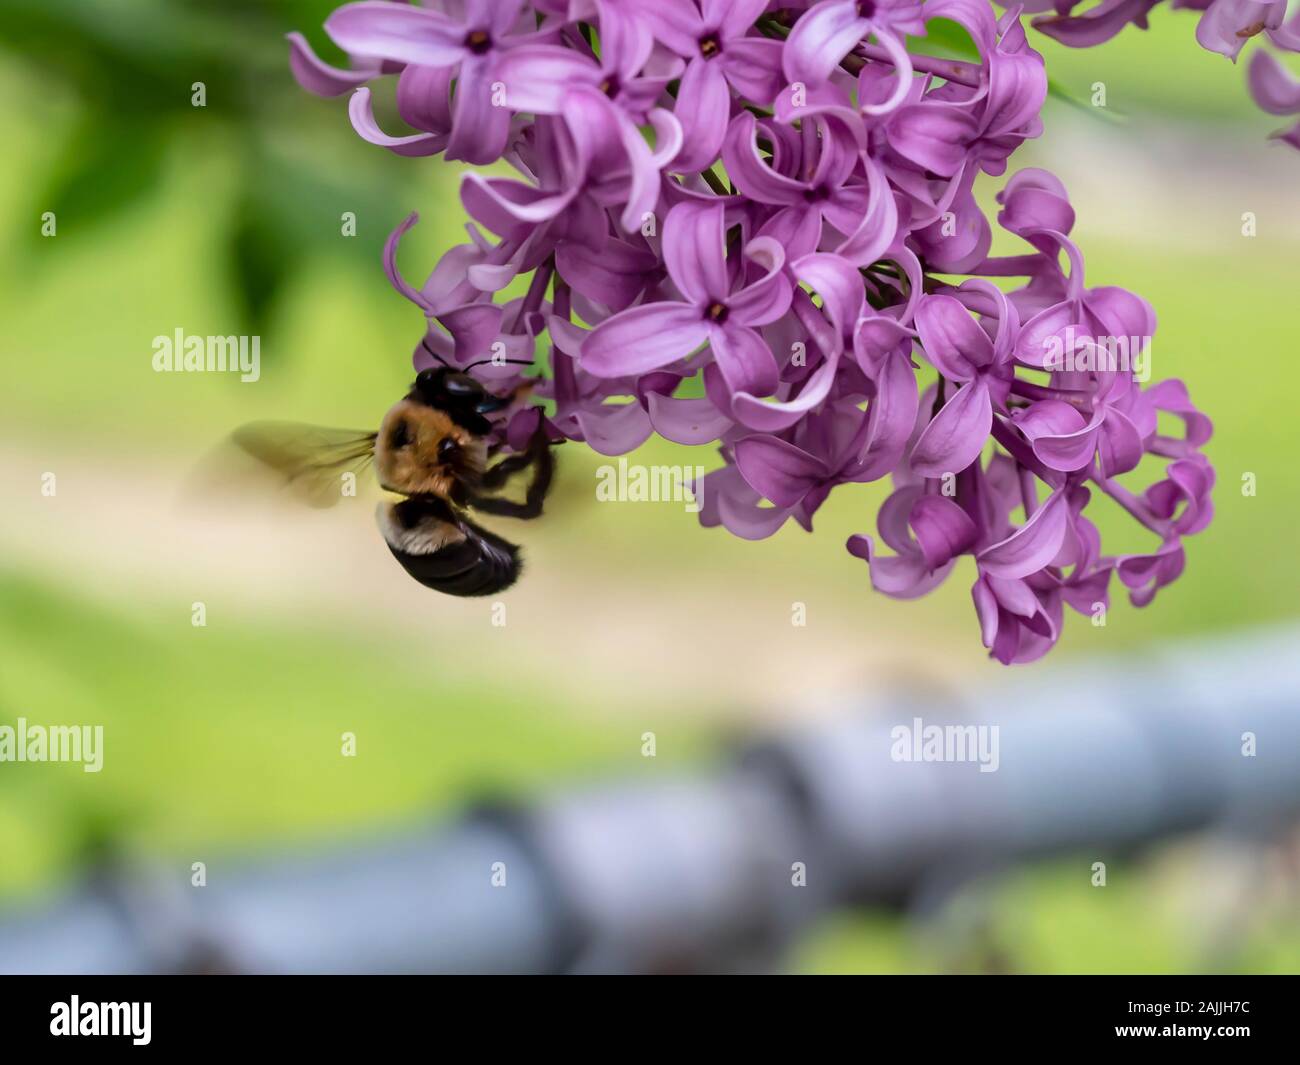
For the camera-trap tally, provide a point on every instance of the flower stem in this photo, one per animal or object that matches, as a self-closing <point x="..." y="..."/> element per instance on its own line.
<point x="536" y="292"/>
<point x="949" y="69"/>
<point x="1081" y="401"/>
<point x="1131" y="503"/>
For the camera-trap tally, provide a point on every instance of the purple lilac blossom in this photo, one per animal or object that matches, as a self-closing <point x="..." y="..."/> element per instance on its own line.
<point x="729" y="219"/>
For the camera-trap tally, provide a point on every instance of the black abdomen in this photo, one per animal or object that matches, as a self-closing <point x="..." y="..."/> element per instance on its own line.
<point x="475" y="566"/>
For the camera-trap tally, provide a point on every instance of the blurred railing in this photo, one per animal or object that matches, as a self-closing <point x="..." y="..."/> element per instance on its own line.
<point x="721" y="871"/>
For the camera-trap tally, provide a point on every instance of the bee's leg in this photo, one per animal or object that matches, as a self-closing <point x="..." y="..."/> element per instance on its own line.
<point x="538" y="457"/>
<point x="496" y="476"/>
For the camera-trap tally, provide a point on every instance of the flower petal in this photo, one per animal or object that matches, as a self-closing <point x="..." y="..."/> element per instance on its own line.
<point x="746" y="362"/>
<point x="613" y="274"/>
<point x="537" y="77"/>
<point x="615" y="429"/>
<point x="934" y="136"/>
<point x="1033" y="545"/>
<point x="755" y="414"/>
<point x="694" y="252"/>
<point x="1059" y="435"/>
<point x="1273" y="88"/>
<point x="767" y="299"/>
<point x="822" y="37"/>
<point x="778" y="470"/>
<point x="481" y="126"/>
<point x="686" y="421"/>
<point x="643" y="338"/>
<point x="317" y="76"/>
<point x="397" y="31"/>
<point x="943" y="530"/>
<point x="899" y="577"/>
<point x="953" y="341"/>
<point x="703" y="108"/>
<point x="957" y="434"/>
<point x="750" y="171"/>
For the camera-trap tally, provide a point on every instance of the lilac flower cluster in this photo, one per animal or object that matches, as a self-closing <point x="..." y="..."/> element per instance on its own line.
<point x="1225" y="26"/>
<point x="739" y="221"/>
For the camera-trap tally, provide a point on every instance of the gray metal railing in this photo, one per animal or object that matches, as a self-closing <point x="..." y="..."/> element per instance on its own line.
<point x="720" y="871"/>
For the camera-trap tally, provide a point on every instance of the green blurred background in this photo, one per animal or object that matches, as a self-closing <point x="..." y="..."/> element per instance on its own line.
<point x="224" y="740"/>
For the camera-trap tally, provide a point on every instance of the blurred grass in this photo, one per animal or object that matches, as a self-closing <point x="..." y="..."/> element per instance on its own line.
<point x="220" y="736"/>
<point x="228" y="737"/>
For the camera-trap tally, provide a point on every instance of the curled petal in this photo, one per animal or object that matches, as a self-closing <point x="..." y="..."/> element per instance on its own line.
<point x="686" y="421"/>
<point x="934" y="136"/>
<point x="1119" y="444"/>
<point x="730" y="502"/>
<point x="745" y="360"/>
<point x="1227" y="25"/>
<point x="317" y="76"/>
<point x="1275" y="90"/>
<point x="1144" y="575"/>
<point x="778" y="470"/>
<point x="390" y="262"/>
<point x="879" y="227"/>
<point x="424" y="98"/>
<point x="1100" y="24"/>
<point x="508" y="207"/>
<point x="749" y="171"/>
<point x="1171" y="395"/>
<point x="615" y="429"/>
<point x="1124" y="315"/>
<point x="1059" y="435"/>
<point x="943" y="530"/>
<point x="900" y="576"/>
<point x="768" y="298"/>
<point x="820" y="39"/>
<point x="957" y="434"/>
<point x="754" y="413"/>
<point x="902" y="61"/>
<point x="953" y="341"/>
<point x="891" y="417"/>
<point x="1033" y="545"/>
<point x="840" y="286"/>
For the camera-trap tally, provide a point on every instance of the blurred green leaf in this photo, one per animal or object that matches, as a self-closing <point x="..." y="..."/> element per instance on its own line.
<point x="95" y="178"/>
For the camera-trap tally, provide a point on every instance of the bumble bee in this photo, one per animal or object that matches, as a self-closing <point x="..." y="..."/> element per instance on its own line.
<point x="432" y="449"/>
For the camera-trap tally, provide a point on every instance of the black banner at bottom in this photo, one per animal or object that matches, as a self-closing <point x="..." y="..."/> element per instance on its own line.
<point x="338" y="1013"/>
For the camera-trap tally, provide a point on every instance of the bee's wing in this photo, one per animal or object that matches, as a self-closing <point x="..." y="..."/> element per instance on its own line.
<point x="309" y="459"/>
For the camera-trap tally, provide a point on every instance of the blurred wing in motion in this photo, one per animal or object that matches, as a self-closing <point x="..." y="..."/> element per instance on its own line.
<point x="310" y="460"/>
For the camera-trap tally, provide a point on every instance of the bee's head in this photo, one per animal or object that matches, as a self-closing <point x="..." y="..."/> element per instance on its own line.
<point x="459" y="394"/>
<point x="423" y="449"/>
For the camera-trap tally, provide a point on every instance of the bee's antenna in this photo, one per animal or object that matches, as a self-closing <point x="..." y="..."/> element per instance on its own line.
<point x="425" y="344"/>
<point x="499" y="362"/>
<point x="465" y="369"/>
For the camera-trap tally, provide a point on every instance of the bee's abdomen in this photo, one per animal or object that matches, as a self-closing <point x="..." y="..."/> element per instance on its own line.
<point x="447" y="552"/>
<point x="475" y="566"/>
